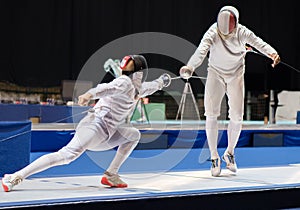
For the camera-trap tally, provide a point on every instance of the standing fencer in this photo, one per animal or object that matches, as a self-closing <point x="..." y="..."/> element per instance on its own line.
<point x="103" y="128"/>
<point x="226" y="42"/>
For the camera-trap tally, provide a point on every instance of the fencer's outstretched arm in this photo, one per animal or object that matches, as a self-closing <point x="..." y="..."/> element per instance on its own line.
<point x="198" y="57"/>
<point x="117" y="86"/>
<point x="259" y="44"/>
<point x="149" y="88"/>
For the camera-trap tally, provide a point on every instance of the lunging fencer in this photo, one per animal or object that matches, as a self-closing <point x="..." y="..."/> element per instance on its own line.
<point x="103" y="128"/>
<point x="226" y="41"/>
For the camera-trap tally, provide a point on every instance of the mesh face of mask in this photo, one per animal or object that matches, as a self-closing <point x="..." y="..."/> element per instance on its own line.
<point x="140" y="65"/>
<point x="140" y="62"/>
<point x="140" y="72"/>
<point x="226" y="22"/>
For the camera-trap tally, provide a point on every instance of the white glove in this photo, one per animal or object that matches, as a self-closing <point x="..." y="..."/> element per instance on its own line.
<point x="276" y="59"/>
<point x="166" y="78"/>
<point x="84" y="99"/>
<point x="186" y="72"/>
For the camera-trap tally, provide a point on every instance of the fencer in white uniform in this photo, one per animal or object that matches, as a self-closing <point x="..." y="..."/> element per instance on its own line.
<point x="104" y="127"/>
<point x="226" y="42"/>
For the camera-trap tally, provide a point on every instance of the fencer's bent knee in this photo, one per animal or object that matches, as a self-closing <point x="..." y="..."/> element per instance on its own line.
<point x="134" y="135"/>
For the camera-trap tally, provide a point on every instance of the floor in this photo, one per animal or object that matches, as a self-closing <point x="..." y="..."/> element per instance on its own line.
<point x="55" y="190"/>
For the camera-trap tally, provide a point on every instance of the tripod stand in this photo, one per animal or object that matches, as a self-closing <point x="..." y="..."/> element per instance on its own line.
<point x="143" y="112"/>
<point x="187" y="90"/>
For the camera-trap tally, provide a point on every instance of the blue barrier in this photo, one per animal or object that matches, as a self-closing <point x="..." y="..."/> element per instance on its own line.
<point x="50" y="141"/>
<point x="46" y="113"/>
<point x="15" y="142"/>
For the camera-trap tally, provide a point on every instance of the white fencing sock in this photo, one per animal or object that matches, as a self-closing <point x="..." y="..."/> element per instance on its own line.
<point x="233" y="134"/>
<point x="42" y="163"/>
<point x="211" y="127"/>
<point x="122" y="154"/>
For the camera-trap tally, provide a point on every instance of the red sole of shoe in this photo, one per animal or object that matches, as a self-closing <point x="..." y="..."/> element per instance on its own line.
<point x="5" y="188"/>
<point x="106" y="182"/>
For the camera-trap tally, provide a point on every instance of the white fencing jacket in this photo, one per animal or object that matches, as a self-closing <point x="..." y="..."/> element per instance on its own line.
<point x="226" y="56"/>
<point x="117" y="100"/>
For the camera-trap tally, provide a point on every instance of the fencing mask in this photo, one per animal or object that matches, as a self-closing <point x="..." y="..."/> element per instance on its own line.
<point x="227" y="20"/>
<point x="140" y="71"/>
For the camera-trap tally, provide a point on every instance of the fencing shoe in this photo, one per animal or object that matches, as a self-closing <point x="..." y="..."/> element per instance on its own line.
<point x="230" y="162"/>
<point x="112" y="180"/>
<point x="9" y="181"/>
<point x="215" y="167"/>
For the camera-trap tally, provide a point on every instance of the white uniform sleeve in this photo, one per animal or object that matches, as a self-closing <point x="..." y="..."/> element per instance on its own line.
<point x="256" y="42"/>
<point x="149" y="88"/>
<point x="203" y="48"/>
<point x="117" y="86"/>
